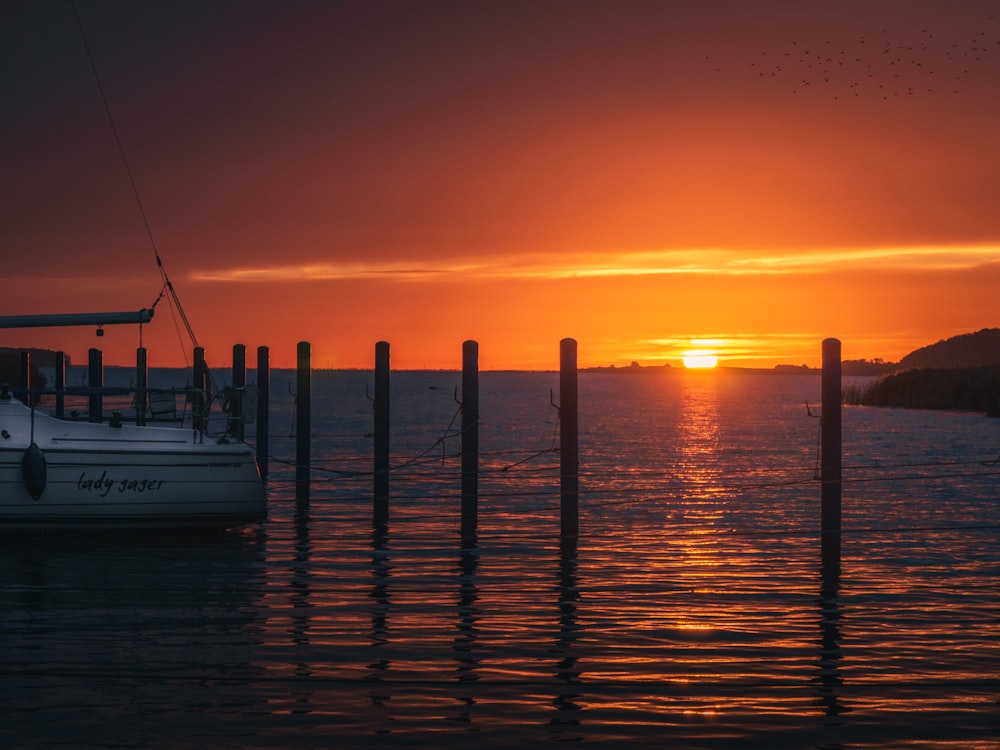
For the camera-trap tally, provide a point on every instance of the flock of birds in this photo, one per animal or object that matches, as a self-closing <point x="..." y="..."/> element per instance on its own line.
<point x="881" y="65"/>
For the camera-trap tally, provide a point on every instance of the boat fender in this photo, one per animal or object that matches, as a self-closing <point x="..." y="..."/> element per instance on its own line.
<point x="33" y="471"/>
<point x="248" y="403"/>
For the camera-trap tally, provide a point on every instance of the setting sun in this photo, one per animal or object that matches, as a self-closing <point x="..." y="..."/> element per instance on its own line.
<point x="700" y="359"/>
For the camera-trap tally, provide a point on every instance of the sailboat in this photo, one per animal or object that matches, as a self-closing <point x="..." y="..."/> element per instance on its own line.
<point x="59" y="473"/>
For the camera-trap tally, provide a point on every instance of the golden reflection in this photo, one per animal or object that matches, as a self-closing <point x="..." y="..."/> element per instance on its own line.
<point x="698" y="476"/>
<point x="698" y="444"/>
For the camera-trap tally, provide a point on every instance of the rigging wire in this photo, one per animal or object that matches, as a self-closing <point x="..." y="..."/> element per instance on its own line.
<point x="174" y="301"/>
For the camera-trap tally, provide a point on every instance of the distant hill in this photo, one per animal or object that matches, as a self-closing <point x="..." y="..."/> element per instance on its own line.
<point x="633" y="368"/>
<point x="977" y="349"/>
<point x="962" y="372"/>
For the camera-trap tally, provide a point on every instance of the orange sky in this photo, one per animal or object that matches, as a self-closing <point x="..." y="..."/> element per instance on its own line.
<point x="636" y="175"/>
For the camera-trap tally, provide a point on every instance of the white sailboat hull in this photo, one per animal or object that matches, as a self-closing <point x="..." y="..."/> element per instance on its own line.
<point x="103" y="476"/>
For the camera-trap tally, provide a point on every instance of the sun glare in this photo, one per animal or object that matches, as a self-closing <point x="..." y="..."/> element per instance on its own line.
<point x="700" y="359"/>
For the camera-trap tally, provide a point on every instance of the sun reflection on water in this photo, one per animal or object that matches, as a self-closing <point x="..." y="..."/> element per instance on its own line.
<point x="698" y="439"/>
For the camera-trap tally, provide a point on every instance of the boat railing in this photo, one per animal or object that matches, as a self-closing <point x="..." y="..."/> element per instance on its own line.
<point x="226" y="412"/>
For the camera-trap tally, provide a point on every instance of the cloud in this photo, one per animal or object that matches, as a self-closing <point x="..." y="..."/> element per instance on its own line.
<point x="927" y="258"/>
<point x="322" y="272"/>
<point x="728" y="345"/>
<point x="644" y="263"/>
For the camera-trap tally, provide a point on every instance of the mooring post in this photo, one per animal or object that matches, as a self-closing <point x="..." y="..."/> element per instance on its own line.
<point x="381" y="429"/>
<point x="95" y="381"/>
<point x="470" y="439"/>
<point x="24" y="376"/>
<point x="263" y="409"/>
<point x="141" y="385"/>
<point x="60" y="385"/>
<point x="201" y="398"/>
<point x="569" y="443"/>
<point x="239" y="380"/>
<point x="830" y="458"/>
<point x="303" y="420"/>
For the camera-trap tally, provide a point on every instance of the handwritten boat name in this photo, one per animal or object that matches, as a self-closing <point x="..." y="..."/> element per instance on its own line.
<point x="104" y="484"/>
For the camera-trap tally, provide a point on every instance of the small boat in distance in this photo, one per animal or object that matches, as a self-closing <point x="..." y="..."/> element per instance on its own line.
<point x="67" y="474"/>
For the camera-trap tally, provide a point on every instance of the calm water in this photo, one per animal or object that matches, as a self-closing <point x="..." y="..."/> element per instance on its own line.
<point x="692" y="612"/>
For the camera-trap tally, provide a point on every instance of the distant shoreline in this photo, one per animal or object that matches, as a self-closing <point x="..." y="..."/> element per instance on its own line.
<point x="959" y="389"/>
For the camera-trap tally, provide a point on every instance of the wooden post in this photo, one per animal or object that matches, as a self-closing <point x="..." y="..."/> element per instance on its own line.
<point x="95" y="381"/>
<point x="263" y="410"/>
<point x="569" y="452"/>
<point x="381" y="428"/>
<point x="470" y="439"/>
<point x="200" y="399"/>
<point x="141" y="385"/>
<point x="303" y="419"/>
<point x="830" y="459"/>
<point x="24" y="376"/>
<point x="239" y="380"/>
<point x="60" y="385"/>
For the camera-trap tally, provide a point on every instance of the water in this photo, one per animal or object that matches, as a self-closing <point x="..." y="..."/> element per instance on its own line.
<point x="692" y="613"/>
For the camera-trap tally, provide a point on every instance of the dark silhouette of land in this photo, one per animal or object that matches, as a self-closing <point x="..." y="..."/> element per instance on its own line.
<point x="966" y="350"/>
<point x="960" y="388"/>
<point x="962" y="372"/>
<point x="633" y="368"/>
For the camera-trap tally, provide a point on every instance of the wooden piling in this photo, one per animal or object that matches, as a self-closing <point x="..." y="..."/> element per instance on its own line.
<point x="202" y="397"/>
<point x="239" y="380"/>
<point x="95" y="381"/>
<point x="470" y="439"/>
<point x="303" y="419"/>
<point x="381" y="430"/>
<point x="141" y="385"/>
<point x="60" y="385"/>
<point x="830" y="454"/>
<point x="263" y="408"/>
<point x="569" y="454"/>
